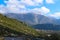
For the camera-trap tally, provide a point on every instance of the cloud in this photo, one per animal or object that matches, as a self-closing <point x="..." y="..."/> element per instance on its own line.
<point x="15" y="6"/>
<point x="39" y="1"/>
<point x="50" y="1"/>
<point x="55" y="15"/>
<point x="43" y="10"/>
<point x="3" y="9"/>
<point x="32" y="2"/>
<point x="25" y="2"/>
<point x="19" y="6"/>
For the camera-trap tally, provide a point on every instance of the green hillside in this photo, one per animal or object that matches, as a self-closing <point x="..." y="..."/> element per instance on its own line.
<point x="17" y="26"/>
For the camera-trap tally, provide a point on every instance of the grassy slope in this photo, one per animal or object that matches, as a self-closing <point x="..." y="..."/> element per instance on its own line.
<point x="17" y="25"/>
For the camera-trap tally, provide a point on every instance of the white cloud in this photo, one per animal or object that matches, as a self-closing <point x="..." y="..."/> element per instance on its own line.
<point x="43" y="10"/>
<point x="39" y="1"/>
<point x="27" y="2"/>
<point x="50" y="1"/>
<point x="55" y="15"/>
<point x="15" y="6"/>
<point x="3" y="9"/>
<point x="31" y="2"/>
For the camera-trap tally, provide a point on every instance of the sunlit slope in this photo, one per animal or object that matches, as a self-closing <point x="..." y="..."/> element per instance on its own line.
<point x="17" y="26"/>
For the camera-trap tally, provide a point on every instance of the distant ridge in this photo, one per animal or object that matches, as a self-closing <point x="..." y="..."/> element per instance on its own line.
<point x="47" y="27"/>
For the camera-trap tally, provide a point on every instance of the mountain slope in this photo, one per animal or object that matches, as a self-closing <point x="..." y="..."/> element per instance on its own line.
<point x="30" y="18"/>
<point x="16" y="25"/>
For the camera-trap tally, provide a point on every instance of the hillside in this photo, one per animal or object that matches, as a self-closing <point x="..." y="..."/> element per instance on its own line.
<point x="15" y="26"/>
<point x="30" y="18"/>
<point x="33" y="19"/>
<point x="12" y="27"/>
<point x="52" y="27"/>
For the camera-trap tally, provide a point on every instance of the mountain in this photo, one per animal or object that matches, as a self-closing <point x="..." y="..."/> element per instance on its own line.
<point x="52" y="27"/>
<point x="35" y="20"/>
<point x="31" y="18"/>
<point x="8" y="26"/>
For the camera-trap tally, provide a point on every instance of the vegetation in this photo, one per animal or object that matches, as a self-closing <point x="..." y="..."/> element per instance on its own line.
<point x="12" y="27"/>
<point x="16" y="26"/>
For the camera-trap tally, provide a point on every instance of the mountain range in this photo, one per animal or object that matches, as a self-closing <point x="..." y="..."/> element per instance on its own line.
<point x="16" y="25"/>
<point x="37" y="21"/>
<point x="33" y="19"/>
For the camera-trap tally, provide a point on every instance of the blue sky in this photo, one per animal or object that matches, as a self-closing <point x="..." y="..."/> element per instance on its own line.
<point x="49" y="8"/>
